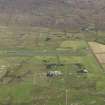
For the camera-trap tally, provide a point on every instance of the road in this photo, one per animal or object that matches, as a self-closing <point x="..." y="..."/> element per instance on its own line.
<point x="40" y="53"/>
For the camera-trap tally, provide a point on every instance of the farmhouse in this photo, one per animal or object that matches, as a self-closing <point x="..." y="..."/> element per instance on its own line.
<point x="54" y="73"/>
<point x="83" y="71"/>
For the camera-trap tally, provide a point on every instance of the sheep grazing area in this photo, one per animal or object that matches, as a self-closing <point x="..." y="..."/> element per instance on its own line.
<point x="25" y="62"/>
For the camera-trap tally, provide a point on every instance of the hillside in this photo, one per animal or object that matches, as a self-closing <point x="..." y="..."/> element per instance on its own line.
<point x="62" y="14"/>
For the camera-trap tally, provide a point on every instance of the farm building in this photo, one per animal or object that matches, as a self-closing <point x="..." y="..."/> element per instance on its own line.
<point x="54" y="73"/>
<point x="83" y="71"/>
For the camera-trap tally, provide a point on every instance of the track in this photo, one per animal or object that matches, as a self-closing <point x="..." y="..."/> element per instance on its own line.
<point x="40" y="53"/>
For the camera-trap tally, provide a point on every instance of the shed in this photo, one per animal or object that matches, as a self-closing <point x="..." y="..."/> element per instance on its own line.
<point x="54" y="73"/>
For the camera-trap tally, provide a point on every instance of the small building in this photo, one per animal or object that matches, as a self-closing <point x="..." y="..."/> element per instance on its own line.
<point x="83" y="71"/>
<point x="54" y="73"/>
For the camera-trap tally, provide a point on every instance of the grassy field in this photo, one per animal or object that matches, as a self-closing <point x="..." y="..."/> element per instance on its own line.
<point x="23" y="79"/>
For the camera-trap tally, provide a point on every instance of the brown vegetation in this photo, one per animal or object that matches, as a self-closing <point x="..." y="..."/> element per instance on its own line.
<point x="99" y="51"/>
<point x="63" y="14"/>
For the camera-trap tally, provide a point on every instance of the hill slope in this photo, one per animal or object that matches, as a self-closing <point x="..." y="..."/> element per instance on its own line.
<point x="53" y="13"/>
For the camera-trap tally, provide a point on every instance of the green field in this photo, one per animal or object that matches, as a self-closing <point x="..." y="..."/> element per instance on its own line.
<point x="23" y="79"/>
<point x="46" y="56"/>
